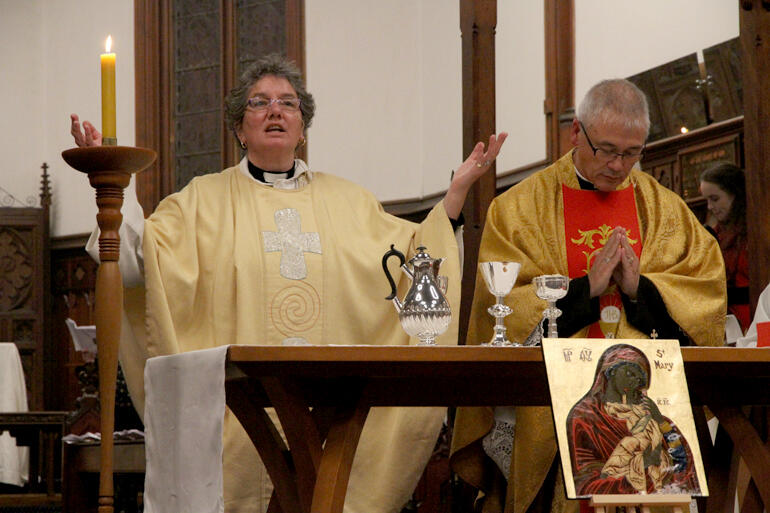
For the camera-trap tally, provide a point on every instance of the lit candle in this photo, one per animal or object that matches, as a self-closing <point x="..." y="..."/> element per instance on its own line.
<point x="108" y="94"/>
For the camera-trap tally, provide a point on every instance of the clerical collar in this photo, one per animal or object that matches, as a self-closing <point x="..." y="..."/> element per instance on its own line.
<point x="586" y="185"/>
<point x="270" y="176"/>
<point x="300" y="176"/>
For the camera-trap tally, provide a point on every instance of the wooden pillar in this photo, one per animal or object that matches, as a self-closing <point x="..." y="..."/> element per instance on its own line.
<point x="153" y="91"/>
<point x="478" y="19"/>
<point x="231" y="150"/>
<point x="755" y="48"/>
<point x="755" y="57"/>
<point x="295" y="47"/>
<point x="559" y="75"/>
<point x="295" y="33"/>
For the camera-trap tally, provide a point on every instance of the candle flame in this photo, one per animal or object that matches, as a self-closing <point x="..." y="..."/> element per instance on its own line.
<point x="684" y="130"/>
<point x="108" y="44"/>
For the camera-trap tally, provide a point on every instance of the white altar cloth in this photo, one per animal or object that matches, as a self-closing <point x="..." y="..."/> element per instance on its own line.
<point x="14" y="461"/>
<point x="183" y="417"/>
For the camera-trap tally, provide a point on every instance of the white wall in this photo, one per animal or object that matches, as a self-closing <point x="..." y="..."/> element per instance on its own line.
<point x="22" y="98"/>
<point x="619" y="38"/>
<point x="386" y="77"/>
<point x="49" y="54"/>
<point x="520" y="82"/>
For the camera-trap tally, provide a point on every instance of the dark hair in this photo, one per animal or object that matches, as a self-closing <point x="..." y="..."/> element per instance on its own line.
<point x="275" y="65"/>
<point x="731" y="179"/>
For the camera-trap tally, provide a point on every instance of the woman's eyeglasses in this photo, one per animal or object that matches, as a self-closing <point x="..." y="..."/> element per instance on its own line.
<point x="260" y="103"/>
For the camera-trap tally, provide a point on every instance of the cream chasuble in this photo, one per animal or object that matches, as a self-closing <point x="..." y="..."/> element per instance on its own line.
<point x="526" y="225"/>
<point x="229" y="260"/>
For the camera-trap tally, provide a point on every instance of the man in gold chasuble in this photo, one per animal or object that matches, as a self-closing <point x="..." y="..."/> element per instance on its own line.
<point x="638" y="260"/>
<point x="271" y="253"/>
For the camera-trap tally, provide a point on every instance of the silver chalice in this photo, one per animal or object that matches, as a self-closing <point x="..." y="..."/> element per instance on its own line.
<point x="551" y="287"/>
<point x="500" y="278"/>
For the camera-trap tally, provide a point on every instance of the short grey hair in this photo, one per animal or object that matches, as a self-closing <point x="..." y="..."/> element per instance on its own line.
<point x="275" y="65"/>
<point x="615" y="100"/>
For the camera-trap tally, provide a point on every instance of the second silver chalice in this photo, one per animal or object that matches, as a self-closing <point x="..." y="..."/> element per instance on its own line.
<point x="500" y="277"/>
<point x="551" y="287"/>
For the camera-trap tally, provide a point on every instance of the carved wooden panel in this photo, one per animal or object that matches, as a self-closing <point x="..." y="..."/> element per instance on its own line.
<point x="72" y="289"/>
<point x="681" y="101"/>
<point x="644" y="82"/>
<point x="77" y="382"/>
<point x="674" y="93"/>
<point x="17" y="268"/>
<point x="23" y="271"/>
<point x="724" y="83"/>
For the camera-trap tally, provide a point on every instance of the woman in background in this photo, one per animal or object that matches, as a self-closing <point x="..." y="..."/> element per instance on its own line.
<point x="724" y="187"/>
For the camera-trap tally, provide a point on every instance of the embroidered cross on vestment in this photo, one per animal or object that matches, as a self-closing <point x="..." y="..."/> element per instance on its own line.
<point x="292" y="243"/>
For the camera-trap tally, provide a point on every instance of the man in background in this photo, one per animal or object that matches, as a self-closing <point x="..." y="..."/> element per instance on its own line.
<point x="640" y="263"/>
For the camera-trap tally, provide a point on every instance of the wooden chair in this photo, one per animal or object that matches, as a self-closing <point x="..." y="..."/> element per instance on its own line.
<point x="42" y="432"/>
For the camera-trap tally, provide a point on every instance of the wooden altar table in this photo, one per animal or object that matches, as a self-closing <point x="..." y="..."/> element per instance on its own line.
<point x="322" y="395"/>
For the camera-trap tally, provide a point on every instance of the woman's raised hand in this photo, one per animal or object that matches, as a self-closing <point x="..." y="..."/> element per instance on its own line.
<point x="87" y="136"/>
<point x="477" y="163"/>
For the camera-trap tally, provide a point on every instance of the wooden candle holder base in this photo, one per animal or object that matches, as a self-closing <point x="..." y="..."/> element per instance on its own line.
<point x="109" y="170"/>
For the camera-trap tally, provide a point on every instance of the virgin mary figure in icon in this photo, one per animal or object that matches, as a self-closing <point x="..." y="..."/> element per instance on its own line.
<point x="619" y="441"/>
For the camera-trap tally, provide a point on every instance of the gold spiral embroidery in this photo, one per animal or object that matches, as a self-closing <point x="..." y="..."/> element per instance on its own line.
<point x="295" y="308"/>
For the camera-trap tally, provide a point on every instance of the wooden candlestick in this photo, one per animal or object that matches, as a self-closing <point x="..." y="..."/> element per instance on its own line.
<point x="109" y="170"/>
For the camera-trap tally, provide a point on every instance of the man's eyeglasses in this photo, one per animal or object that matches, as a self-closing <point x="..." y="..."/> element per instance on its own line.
<point x="260" y="103"/>
<point x="608" y="156"/>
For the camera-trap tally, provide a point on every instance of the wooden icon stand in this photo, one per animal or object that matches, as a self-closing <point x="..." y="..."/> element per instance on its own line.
<point x="109" y="170"/>
<point x="643" y="503"/>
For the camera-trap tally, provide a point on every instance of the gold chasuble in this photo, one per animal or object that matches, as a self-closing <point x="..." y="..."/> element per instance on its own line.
<point x="526" y="225"/>
<point x="229" y="260"/>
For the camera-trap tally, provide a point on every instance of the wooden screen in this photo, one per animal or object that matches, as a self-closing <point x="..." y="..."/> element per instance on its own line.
<point x="24" y="286"/>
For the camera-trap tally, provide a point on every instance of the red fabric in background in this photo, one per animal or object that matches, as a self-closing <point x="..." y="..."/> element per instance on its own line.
<point x="763" y="334"/>
<point x="734" y="248"/>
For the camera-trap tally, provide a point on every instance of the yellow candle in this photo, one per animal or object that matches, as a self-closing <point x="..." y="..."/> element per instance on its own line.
<point x="108" y="92"/>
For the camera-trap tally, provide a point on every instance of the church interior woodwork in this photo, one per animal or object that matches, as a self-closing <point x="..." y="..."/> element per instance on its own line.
<point x="24" y="294"/>
<point x="180" y="79"/>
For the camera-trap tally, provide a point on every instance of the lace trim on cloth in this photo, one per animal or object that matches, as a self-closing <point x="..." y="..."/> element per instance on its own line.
<point x="498" y="444"/>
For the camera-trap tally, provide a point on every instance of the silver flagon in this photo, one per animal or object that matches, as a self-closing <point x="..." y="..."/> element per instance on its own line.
<point x="424" y="312"/>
